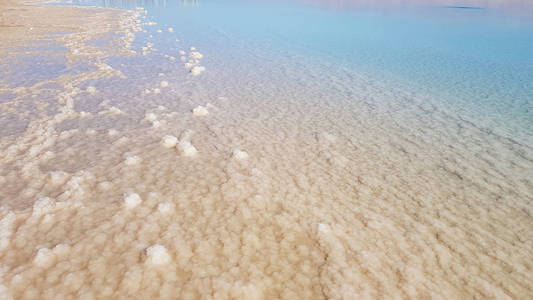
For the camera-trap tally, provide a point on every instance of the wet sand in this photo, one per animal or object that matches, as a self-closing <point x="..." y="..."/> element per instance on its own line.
<point x="303" y="196"/>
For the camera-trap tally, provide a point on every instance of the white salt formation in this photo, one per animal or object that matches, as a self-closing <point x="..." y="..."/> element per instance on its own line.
<point x="132" y="200"/>
<point x="150" y="117"/>
<point x="197" y="70"/>
<point x="44" y="258"/>
<point x="164" y="83"/>
<point x="157" y="91"/>
<point x="187" y="148"/>
<point x="200" y="111"/>
<point x="132" y="160"/>
<point x="169" y="141"/>
<point x="181" y="52"/>
<point x="239" y="154"/>
<point x="157" y="255"/>
<point x="196" y="55"/>
<point x="170" y="29"/>
<point x="165" y="207"/>
<point x="91" y="90"/>
<point x="159" y="30"/>
<point x="43" y="205"/>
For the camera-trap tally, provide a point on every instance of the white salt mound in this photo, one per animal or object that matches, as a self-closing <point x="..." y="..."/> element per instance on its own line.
<point x="157" y="255"/>
<point x="45" y="258"/>
<point x="132" y="160"/>
<point x="157" y="91"/>
<point x="196" y="55"/>
<point x="150" y="117"/>
<point x="159" y="30"/>
<point x="156" y="124"/>
<point x="165" y="207"/>
<point x="197" y="70"/>
<point x="192" y="48"/>
<point x="239" y="154"/>
<point x="170" y="29"/>
<point x="164" y="83"/>
<point x="187" y="148"/>
<point x="91" y="90"/>
<point x="169" y="141"/>
<point x="43" y="205"/>
<point x="200" y="111"/>
<point x="181" y="52"/>
<point x="132" y="199"/>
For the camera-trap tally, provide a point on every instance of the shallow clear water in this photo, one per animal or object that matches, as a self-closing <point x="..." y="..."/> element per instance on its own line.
<point x="476" y="60"/>
<point x="330" y="149"/>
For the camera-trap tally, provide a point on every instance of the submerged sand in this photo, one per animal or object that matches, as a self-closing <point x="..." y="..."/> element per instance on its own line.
<point x="225" y="199"/>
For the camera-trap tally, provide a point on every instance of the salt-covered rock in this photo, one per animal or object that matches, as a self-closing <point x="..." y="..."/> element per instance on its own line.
<point x="187" y="148"/>
<point x="165" y="207"/>
<point x="43" y="205"/>
<point x="131" y="199"/>
<point x="239" y="154"/>
<point x="157" y="255"/>
<point x="132" y="160"/>
<point x="169" y="141"/>
<point x="197" y="70"/>
<point x="44" y="258"/>
<point x="196" y="55"/>
<point x="200" y="111"/>
<point x="150" y="117"/>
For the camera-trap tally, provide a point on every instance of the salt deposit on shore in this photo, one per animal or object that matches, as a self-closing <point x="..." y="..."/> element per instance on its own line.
<point x="330" y="189"/>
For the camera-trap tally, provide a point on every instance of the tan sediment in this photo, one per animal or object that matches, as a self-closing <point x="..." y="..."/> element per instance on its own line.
<point x="261" y="199"/>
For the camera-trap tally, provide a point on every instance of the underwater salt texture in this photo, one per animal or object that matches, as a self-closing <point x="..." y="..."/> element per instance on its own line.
<point x="328" y="150"/>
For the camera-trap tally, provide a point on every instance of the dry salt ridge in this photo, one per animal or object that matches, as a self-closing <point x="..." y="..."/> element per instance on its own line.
<point x="202" y="201"/>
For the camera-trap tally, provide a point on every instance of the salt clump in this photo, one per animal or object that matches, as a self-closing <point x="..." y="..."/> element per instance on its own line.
<point x="197" y="70"/>
<point x="132" y="160"/>
<point x="45" y="258"/>
<point x="187" y="148"/>
<point x="239" y="154"/>
<point x="164" y="83"/>
<point x="170" y="29"/>
<point x="150" y="117"/>
<point x="58" y="177"/>
<point x="43" y="205"/>
<point x="192" y="48"/>
<point x="132" y="199"/>
<point x="156" y="124"/>
<point x="159" y="30"/>
<point x="157" y="91"/>
<point x="196" y="55"/>
<point x="169" y="141"/>
<point x="181" y="52"/>
<point x="165" y="207"/>
<point x="91" y="90"/>
<point x="200" y="111"/>
<point x="157" y="255"/>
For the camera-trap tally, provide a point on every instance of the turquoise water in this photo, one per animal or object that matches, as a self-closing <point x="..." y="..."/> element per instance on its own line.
<point x="477" y="59"/>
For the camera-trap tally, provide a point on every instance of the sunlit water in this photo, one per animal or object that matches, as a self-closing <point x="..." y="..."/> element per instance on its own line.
<point x="328" y="150"/>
